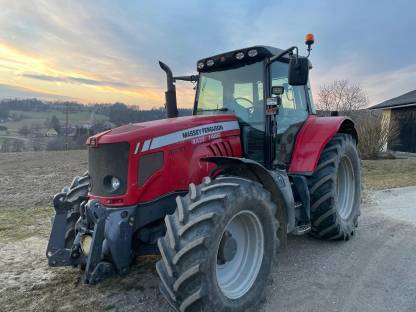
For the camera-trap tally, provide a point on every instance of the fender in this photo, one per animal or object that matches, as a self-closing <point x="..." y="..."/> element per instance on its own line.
<point x="276" y="182"/>
<point x="312" y="139"/>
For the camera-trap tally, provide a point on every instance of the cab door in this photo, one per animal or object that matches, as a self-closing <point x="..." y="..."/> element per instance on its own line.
<point x="249" y="97"/>
<point x="292" y="112"/>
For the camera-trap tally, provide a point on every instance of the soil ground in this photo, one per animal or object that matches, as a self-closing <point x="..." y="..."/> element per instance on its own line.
<point x="372" y="272"/>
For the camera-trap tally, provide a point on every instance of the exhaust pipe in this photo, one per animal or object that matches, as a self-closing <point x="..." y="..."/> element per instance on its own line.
<point x="170" y="94"/>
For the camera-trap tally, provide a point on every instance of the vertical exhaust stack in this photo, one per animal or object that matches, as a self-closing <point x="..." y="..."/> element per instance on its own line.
<point x="170" y="94"/>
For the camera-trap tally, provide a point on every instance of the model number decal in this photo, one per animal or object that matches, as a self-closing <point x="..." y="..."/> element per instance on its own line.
<point x="198" y="140"/>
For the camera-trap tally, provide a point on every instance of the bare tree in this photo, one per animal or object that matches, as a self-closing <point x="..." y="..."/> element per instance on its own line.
<point x="341" y="96"/>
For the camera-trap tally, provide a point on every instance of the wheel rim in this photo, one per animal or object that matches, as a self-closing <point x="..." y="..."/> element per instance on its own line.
<point x="236" y="276"/>
<point x="345" y="188"/>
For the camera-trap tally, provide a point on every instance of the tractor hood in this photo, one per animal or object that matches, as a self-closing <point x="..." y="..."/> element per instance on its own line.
<point x="181" y="127"/>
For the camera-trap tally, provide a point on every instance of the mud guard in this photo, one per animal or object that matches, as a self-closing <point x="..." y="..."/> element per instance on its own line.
<point x="276" y="182"/>
<point x="312" y="139"/>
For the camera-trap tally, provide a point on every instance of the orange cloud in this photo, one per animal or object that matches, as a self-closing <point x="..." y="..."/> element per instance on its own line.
<point x="42" y="75"/>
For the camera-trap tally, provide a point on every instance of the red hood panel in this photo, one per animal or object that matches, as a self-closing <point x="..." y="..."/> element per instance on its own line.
<point x="144" y="130"/>
<point x="183" y="142"/>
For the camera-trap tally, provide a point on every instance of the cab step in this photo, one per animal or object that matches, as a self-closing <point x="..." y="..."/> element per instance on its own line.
<point x="302" y="229"/>
<point x="298" y="204"/>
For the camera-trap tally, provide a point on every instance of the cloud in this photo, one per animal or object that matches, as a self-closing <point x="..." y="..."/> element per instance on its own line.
<point x="386" y="85"/>
<point x="85" y="81"/>
<point x="98" y="82"/>
<point x="44" y="77"/>
<point x="378" y="86"/>
<point x="92" y="45"/>
<point x="12" y="92"/>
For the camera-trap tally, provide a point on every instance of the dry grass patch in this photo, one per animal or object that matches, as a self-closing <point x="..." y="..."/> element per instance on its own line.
<point x="389" y="173"/>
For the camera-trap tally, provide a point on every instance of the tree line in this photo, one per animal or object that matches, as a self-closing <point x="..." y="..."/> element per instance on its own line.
<point x="342" y="96"/>
<point x="118" y="113"/>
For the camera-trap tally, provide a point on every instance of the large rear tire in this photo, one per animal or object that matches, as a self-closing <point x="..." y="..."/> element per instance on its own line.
<point x="335" y="189"/>
<point x="75" y="194"/>
<point x="219" y="246"/>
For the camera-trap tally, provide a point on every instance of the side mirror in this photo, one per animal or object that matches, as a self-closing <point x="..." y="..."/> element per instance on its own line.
<point x="298" y="71"/>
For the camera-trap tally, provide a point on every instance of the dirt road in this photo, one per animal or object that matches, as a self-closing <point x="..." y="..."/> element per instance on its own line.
<point x="374" y="271"/>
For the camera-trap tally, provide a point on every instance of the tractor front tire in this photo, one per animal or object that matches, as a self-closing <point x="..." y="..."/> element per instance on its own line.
<point x="219" y="246"/>
<point x="75" y="194"/>
<point x="335" y="190"/>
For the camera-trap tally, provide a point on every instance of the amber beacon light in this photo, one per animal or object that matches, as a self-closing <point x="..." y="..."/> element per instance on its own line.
<point x="309" y="40"/>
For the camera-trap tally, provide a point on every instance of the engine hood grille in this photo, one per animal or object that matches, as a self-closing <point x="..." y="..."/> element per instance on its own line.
<point x="108" y="160"/>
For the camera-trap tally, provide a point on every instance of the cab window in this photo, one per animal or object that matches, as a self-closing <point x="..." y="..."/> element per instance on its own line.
<point x="292" y="113"/>
<point x="294" y="108"/>
<point x="236" y="91"/>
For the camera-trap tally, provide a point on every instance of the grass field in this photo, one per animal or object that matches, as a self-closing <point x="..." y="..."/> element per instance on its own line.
<point x="75" y="118"/>
<point x="389" y="173"/>
<point x="28" y="182"/>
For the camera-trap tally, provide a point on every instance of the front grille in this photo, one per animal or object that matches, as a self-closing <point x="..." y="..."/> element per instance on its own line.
<point x="108" y="160"/>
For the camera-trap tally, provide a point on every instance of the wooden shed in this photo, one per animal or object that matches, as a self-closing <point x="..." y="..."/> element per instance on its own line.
<point x="402" y="110"/>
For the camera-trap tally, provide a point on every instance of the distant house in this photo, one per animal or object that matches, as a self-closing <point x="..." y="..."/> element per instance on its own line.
<point x="402" y="110"/>
<point x="51" y="133"/>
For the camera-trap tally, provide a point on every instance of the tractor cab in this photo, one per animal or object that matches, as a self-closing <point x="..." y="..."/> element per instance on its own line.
<point x="241" y="82"/>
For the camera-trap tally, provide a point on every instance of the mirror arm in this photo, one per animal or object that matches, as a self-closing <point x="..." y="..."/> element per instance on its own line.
<point x="283" y="53"/>
<point x="191" y="78"/>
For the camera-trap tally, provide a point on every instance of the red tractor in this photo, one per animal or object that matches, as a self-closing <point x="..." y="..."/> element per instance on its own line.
<point x="216" y="193"/>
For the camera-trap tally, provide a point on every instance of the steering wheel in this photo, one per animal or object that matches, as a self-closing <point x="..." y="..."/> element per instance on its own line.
<point x="244" y="99"/>
<point x="250" y="109"/>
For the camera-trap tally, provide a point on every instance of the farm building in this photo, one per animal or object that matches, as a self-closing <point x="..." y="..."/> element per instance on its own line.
<point x="402" y="111"/>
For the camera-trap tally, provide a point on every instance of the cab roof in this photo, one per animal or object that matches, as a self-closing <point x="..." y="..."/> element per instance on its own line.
<point x="229" y="60"/>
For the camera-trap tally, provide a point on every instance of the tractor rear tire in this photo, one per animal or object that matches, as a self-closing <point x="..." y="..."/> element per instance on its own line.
<point x="219" y="246"/>
<point x="75" y="194"/>
<point x="335" y="190"/>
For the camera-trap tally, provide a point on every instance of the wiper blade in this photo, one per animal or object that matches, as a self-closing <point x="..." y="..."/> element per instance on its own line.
<point x="222" y="109"/>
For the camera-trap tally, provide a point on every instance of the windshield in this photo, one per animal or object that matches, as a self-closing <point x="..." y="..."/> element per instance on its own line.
<point x="236" y="91"/>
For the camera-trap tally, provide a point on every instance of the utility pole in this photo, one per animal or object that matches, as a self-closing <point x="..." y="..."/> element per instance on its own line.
<point x="66" y="126"/>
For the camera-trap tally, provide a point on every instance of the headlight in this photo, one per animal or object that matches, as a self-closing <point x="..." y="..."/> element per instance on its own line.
<point x="112" y="184"/>
<point x="200" y="65"/>
<point x="210" y="62"/>
<point x="252" y="53"/>
<point x="115" y="183"/>
<point x="239" y="55"/>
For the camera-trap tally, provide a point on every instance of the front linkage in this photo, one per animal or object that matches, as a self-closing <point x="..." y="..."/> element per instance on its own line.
<point x="102" y="244"/>
<point x="106" y="240"/>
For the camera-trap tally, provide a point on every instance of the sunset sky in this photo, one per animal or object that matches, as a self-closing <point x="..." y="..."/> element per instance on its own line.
<point x="107" y="51"/>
